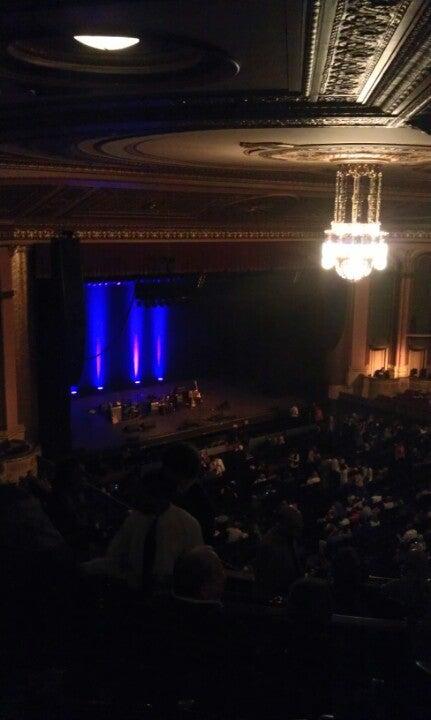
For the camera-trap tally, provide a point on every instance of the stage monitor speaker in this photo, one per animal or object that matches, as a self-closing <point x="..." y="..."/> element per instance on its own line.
<point x="68" y="291"/>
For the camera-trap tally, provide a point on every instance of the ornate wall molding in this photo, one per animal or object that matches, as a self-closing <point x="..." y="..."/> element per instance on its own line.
<point x="17" y="236"/>
<point x="348" y="152"/>
<point x="360" y="33"/>
<point x="315" y="13"/>
<point x="377" y="55"/>
<point x="134" y="235"/>
<point x="409" y="67"/>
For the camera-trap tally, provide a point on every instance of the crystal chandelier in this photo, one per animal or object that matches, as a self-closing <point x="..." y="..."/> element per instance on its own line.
<point x="355" y="244"/>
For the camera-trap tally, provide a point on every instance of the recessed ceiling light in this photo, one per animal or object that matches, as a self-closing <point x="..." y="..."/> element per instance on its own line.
<point x="106" y="42"/>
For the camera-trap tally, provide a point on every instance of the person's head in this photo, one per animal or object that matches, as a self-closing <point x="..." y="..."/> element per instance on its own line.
<point x="199" y="575"/>
<point x="181" y="464"/>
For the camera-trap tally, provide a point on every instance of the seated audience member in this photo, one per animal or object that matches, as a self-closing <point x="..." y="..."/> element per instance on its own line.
<point x="294" y="411"/>
<point x="278" y="563"/>
<point x="313" y="479"/>
<point x="293" y="460"/>
<point x="199" y="579"/>
<point x="144" y="551"/>
<point x="217" y="467"/>
<point x="199" y="651"/>
<point x="181" y="463"/>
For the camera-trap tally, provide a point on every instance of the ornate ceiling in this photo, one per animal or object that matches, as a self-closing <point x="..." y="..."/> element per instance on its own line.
<point x="225" y="115"/>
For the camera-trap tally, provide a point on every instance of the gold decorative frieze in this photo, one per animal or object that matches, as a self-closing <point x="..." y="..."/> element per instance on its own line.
<point x="14" y="236"/>
<point x="360" y="33"/>
<point x="339" y="153"/>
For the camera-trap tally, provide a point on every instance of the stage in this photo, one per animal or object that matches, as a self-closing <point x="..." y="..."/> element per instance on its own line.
<point x="93" y="430"/>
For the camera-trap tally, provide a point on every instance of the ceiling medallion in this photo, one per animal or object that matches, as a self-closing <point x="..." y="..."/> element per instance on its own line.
<point x="355" y="244"/>
<point x="339" y="153"/>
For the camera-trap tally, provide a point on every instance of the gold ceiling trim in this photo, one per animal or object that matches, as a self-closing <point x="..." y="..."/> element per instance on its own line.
<point x="36" y="235"/>
<point x="131" y="235"/>
<point x="360" y="33"/>
<point x="338" y="153"/>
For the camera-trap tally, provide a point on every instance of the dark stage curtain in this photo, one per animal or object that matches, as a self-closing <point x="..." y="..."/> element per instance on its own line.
<point x="271" y="329"/>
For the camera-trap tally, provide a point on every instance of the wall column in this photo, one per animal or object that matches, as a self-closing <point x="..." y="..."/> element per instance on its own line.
<point x="347" y="362"/>
<point x="9" y="427"/>
<point x="358" y="346"/>
<point x="401" y="350"/>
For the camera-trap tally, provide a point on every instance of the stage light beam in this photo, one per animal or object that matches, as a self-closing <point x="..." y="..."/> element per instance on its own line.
<point x="159" y="316"/>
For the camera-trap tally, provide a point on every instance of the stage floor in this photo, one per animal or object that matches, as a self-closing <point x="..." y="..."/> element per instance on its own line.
<point x="95" y="431"/>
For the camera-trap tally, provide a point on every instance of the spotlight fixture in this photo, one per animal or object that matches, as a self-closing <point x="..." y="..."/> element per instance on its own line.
<point x="73" y="390"/>
<point x="137" y="382"/>
<point x="355" y="244"/>
<point x="110" y="43"/>
<point x="100" y="387"/>
<point x="160" y="379"/>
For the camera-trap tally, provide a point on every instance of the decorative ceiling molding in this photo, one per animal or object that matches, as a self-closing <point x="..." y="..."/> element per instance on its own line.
<point x="376" y="54"/>
<point x="134" y="235"/>
<point x="347" y="152"/>
<point x="321" y="18"/>
<point x="25" y="236"/>
<point x="409" y="66"/>
<point x="359" y="32"/>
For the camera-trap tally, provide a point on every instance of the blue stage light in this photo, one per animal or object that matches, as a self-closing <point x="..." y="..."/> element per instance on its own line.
<point x="97" y="327"/>
<point x="126" y="342"/>
<point x="159" y="316"/>
<point x="136" y="337"/>
<point x="73" y="390"/>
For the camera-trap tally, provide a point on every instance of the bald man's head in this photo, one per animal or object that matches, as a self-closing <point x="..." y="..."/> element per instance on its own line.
<point x="199" y="575"/>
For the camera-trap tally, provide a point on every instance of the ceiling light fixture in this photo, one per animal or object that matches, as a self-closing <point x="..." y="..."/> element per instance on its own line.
<point x="106" y="42"/>
<point x="355" y="243"/>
